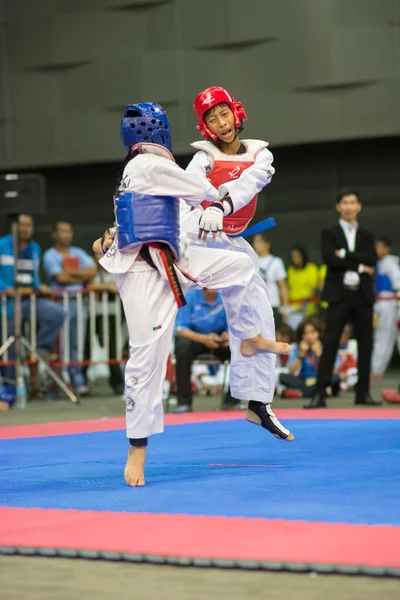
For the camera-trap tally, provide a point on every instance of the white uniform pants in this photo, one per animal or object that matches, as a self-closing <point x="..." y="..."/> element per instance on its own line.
<point x="250" y="378"/>
<point x="385" y="335"/>
<point x="150" y="310"/>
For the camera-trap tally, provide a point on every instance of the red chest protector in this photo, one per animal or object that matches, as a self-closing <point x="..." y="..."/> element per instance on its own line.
<point x="226" y="168"/>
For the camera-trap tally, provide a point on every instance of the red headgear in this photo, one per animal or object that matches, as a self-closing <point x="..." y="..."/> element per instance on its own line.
<point x="211" y="97"/>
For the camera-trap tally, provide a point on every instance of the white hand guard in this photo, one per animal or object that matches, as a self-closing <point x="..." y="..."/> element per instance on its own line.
<point x="212" y="218"/>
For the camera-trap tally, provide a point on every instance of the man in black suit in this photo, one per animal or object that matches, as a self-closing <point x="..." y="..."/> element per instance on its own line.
<point x="349" y="253"/>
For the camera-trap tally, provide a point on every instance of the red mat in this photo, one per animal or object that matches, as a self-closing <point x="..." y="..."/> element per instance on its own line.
<point x="117" y="423"/>
<point x="202" y="537"/>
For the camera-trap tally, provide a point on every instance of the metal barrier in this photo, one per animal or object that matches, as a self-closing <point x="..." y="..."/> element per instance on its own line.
<point x="82" y="307"/>
<point x="87" y="306"/>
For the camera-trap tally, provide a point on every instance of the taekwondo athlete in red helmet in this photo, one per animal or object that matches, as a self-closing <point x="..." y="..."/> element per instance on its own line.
<point x="239" y="169"/>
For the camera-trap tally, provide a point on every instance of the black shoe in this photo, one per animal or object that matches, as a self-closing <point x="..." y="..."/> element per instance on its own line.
<point x="335" y="388"/>
<point x="317" y="401"/>
<point x="229" y="402"/>
<point x="118" y="389"/>
<point x="261" y="414"/>
<point x="367" y="400"/>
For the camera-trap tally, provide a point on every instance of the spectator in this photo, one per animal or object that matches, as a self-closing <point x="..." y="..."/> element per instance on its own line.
<point x="286" y="335"/>
<point x="273" y="272"/>
<point x="303" y="363"/>
<point x="49" y="315"/>
<point x="349" y="253"/>
<point x="69" y="269"/>
<point x="321" y="282"/>
<point x="201" y="328"/>
<point x="105" y="282"/>
<point x="303" y="280"/>
<point x="348" y="360"/>
<point x="387" y="283"/>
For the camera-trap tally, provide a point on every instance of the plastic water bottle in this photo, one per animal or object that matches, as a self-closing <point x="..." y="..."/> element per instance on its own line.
<point x="20" y="393"/>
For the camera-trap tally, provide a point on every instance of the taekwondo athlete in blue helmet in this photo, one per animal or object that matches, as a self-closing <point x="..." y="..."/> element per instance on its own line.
<point x="154" y="267"/>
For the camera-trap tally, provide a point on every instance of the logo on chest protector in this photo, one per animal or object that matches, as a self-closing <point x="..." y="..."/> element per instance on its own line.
<point x="234" y="174"/>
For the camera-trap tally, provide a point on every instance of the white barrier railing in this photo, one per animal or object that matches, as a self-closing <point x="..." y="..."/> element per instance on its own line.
<point x="77" y="343"/>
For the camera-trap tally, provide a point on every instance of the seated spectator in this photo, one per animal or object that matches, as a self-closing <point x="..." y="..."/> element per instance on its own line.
<point x="387" y="288"/>
<point x="272" y="270"/>
<point x="303" y="280"/>
<point x="201" y="328"/>
<point x="49" y="315"/>
<point x="303" y="363"/>
<point x="286" y="335"/>
<point x="69" y="269"/>
<point x="348" y="371"/>
<point x="105" y="282"/>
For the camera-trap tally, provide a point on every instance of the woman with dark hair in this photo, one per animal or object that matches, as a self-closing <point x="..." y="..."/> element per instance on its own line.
<point x="303" y="362"/>
<point x="303" y="283"/>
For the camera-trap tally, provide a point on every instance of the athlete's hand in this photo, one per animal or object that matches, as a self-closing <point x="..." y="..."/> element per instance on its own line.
<point x="101" y="245"/>
<point x="211" y="221"/>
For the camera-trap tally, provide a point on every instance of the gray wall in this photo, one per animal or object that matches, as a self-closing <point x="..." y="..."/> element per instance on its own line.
<point x="306" y="70"/>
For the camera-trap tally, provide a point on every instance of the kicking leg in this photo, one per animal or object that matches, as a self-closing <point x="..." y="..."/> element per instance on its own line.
<point x="249" y="316"/>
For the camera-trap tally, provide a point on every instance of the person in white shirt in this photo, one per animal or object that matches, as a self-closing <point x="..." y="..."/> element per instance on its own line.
<point x="387" y="308"/>
<point x="154" y="266"/>
<point x="272" y="271"/>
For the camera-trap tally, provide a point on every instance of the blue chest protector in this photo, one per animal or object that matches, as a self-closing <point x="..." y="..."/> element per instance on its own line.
<point x="143" y="219"/>
<point x="383" y="283"/>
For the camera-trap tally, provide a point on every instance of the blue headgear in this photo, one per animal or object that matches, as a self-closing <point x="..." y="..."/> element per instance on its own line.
<point x="145" y="122"/>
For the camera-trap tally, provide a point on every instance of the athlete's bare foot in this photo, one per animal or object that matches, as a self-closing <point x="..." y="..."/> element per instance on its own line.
<point x="134" y="468"/>
<point x="260" y="344"/>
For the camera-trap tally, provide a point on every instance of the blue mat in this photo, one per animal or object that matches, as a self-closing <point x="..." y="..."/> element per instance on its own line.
<point x="336" y="471"/>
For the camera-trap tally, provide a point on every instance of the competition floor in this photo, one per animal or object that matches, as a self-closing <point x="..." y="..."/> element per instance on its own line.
<point x="219" y="492"/>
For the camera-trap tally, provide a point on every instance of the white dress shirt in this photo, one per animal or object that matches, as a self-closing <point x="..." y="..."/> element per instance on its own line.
<point x="351" y="278"/>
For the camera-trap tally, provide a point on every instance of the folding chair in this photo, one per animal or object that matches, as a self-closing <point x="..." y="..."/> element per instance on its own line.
<point x="208" y="359"/>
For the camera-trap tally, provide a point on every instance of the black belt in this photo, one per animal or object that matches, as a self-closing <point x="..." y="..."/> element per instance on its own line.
<point x="169" y="266"/>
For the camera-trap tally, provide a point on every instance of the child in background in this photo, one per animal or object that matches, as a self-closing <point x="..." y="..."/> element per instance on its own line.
<point x="348" y="360"/>
<point x="302" y="366"/>
<point x="284" y="334"/>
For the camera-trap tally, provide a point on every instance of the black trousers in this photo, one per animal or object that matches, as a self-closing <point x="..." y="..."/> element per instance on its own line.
<point x="277" y="317"/>
<point x="352" y="308"/>
<point x="186" y="352"/>
<point x="293" y="382"/>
